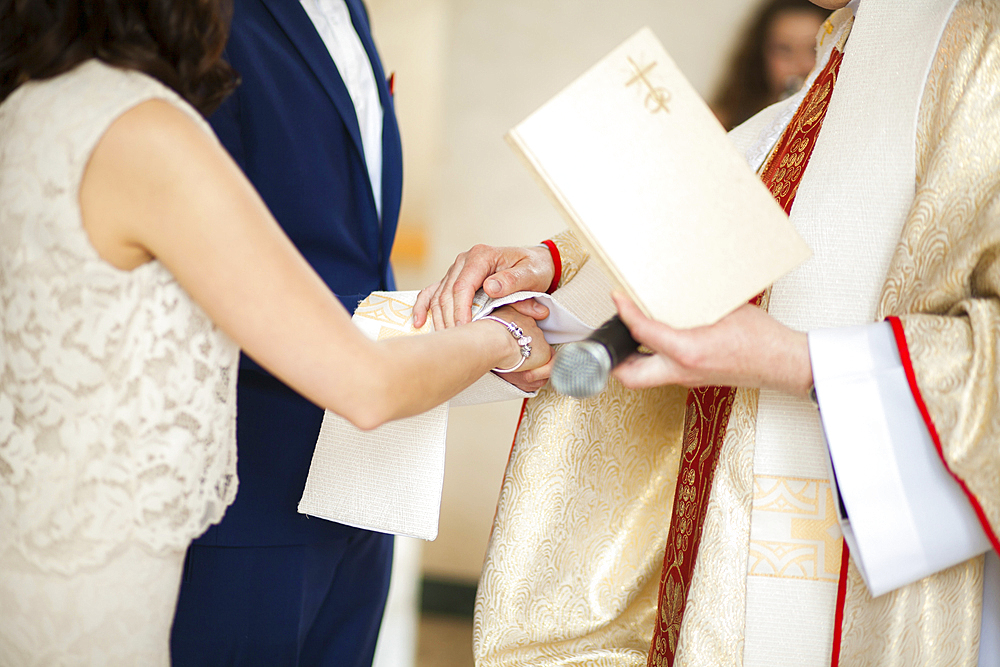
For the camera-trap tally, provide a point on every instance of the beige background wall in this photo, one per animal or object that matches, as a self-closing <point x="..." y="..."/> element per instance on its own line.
<point x="467" y="71"/>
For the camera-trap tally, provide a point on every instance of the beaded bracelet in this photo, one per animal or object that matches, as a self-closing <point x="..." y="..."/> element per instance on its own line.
<point x="523" y="341"/>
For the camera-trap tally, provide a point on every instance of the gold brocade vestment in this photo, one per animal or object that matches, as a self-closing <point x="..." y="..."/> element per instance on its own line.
<point x="574" y="562"/>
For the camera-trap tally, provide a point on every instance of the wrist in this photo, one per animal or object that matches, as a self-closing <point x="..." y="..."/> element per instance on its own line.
<point x="521" y="342"/>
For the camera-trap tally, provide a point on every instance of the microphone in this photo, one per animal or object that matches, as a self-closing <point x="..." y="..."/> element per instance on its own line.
<point x="581" y="368"/>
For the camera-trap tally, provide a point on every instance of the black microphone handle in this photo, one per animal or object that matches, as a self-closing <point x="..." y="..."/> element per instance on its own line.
<point x="615" y="336"/>
<point x="581" y="368"/>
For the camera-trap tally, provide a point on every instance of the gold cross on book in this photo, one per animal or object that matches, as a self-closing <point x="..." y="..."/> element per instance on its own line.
<point x="658" y="96"/>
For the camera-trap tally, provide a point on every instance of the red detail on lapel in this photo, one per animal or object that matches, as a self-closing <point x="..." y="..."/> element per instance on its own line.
<point x="838" y="617"/>
<point x="557" y="262"/>
<point x="392" y="83"/>
<point x="911" y="377"/>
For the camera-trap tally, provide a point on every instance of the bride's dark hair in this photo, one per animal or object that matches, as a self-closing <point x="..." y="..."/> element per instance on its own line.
<point x="179" y="42"/>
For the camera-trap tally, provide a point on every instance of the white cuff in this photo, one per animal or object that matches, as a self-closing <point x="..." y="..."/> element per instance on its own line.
<point x="907" y="517"/>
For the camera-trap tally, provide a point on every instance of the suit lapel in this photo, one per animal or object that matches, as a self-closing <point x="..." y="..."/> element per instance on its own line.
<point x="294" y="21"/>
<point x="392" y="166"/>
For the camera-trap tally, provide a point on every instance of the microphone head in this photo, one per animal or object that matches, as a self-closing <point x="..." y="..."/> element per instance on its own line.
<point x="581" y="369"/>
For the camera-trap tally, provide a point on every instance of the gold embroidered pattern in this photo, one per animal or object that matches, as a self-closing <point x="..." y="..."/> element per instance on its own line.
<point x="945" y="263"/>
<point x="827" y="30"/>
<point x="572" y="253"/>
<point x="573" y="568"/>
<point x="803" y="536"/>
<point x="382" y="307"/>
<point x="714" y="614"/>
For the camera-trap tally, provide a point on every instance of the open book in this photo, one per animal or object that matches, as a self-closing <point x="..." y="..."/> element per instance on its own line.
<point x="642" y="170"/>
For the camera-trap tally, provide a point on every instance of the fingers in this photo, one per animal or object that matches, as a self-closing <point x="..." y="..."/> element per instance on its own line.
<point x="442" y="305"/>
<point x="499" y="271"/>
<point x="422" y="306"/>
<point x="531" y="308"/>
<point x="530" y="381"/>
<point x="651" y="370"/>
<point x="502" y="283"/>
<point x="451" y="303"/>
<point x="657" y="336"/>
<point x="630" y="315"/>
<point x="481" y="261"/>
<point x="641" y="371"/>
<point x="521" y="269"/>
<point x="458" y="303"/>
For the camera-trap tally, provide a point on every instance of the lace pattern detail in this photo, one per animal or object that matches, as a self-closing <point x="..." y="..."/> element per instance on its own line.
<point x="117" y="393"/>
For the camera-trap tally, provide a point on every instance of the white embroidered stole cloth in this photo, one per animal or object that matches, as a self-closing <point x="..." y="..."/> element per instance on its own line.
<point x="390" y="479"/>
<point x="850" y="209"/>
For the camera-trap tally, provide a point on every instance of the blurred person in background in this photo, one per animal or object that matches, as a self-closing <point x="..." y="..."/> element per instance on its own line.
<point x="771" y="60"/>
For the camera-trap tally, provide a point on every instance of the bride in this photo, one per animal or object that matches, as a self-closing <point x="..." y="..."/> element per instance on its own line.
<point x="135" y="261"/>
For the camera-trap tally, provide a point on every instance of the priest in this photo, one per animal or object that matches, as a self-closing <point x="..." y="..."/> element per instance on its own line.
<point x="827" y="492"/>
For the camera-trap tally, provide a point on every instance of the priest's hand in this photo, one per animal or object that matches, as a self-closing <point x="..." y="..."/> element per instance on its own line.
<point x="747" y="348"/>
<point x="499" y="271"/>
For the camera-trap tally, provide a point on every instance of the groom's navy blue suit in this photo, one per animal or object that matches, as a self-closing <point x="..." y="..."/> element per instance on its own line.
<point x="268" y="586"/>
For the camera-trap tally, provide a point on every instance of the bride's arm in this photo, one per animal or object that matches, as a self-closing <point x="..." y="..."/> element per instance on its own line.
<point x="158" y="186"/>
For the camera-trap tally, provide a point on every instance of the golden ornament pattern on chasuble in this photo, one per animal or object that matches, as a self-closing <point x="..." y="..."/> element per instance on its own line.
<point x="948" y="305"/>
<point x="572" y="572"/>
<point x="948" y="259"/>
<point x="572" y="253"/>
<point x="802" y="531"/>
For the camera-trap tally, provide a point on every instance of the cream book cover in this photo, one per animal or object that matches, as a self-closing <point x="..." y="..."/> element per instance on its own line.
<point x="646" y="175"/>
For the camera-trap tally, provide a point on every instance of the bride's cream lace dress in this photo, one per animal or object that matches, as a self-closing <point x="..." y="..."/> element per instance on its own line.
<point x="117" y="399"/>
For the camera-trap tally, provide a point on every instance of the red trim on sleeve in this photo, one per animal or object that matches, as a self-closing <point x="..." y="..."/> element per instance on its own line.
<point x="904" y="355"/>
<point x="557" y="262"/>
<point x="838" y="616"/>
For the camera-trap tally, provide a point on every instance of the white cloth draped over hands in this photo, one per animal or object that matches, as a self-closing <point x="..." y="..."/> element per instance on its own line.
<point x="390" y="479"/>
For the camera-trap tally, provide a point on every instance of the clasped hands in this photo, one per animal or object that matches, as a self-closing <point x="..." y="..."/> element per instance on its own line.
<point x="747" y="348"/>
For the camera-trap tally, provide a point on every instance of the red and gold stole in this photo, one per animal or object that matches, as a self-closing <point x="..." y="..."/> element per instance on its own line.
<point x="708" y="408"/>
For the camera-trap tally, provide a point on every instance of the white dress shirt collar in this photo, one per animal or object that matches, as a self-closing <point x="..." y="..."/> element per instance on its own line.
<point x="333" y="23"/>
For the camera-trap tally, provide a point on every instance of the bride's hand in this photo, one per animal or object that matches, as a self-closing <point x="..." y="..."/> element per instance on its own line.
<point x="540" y="350"/>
